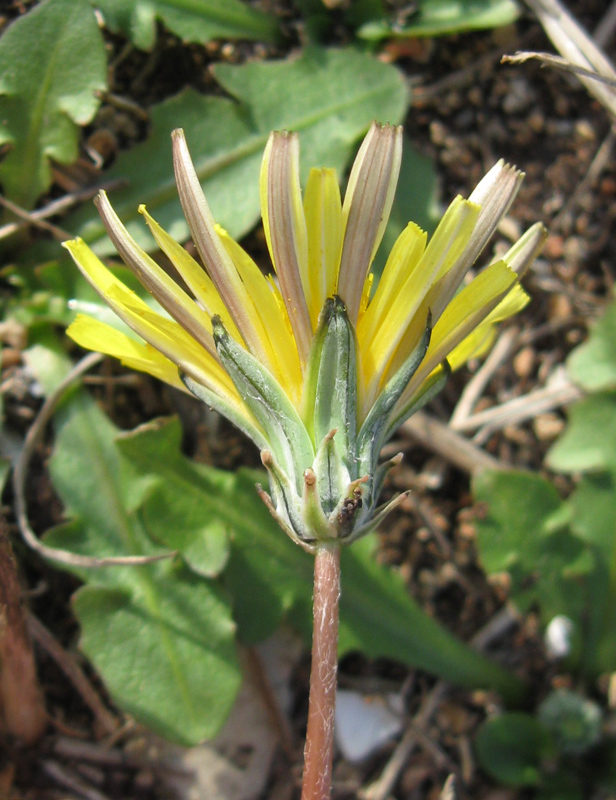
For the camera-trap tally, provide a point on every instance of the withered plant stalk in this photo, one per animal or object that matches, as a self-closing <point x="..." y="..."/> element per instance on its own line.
<point x="22" y="710"/>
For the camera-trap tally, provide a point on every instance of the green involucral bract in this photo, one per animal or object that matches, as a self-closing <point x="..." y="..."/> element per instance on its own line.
<point x="324" y="474"/>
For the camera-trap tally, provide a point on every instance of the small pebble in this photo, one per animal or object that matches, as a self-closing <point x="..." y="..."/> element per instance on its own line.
<point x="536" y="121"/>
<point x="475" y="96"/>
<point x="524" y="362"/>
<point x="548" y="427"/>
<point x="516" y="435"/>
<point x="467" y="531"/>
<point x="10" y="357"/>
<point x="574" y="251"/>
<point x="510" y="228"/>
<point x="519" y="96"/>
<point x="554" y="246"/>
<point x="438" y="133"/>
<point x="558" y="635"/>
<point x="584" y="130"/>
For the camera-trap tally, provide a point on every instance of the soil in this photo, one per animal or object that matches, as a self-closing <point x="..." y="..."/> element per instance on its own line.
<point x="468" y="110"/>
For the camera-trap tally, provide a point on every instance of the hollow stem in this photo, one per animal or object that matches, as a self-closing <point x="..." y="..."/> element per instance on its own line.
<point x="318" y="754"/>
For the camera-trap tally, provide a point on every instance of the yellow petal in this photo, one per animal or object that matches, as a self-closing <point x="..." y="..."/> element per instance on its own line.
<point x="92" y="334"/>
<point x="476" y="345"/>
<point x="467" y="311"/>
<point x="164" y="334"/>
<point x="323" y="210"/>
<point x="95" y="271"/>
<point x="160" y="285"/>
<point x="283" y="356"/>
<point x="479" y="341"/>
<point x="407" y="315"/>
<point x="402" y="260"/>
<point x="192" y="273"/>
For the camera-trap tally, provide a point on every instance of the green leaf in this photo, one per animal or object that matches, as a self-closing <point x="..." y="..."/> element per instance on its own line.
<point x="379" y="617"/>
<point x="574" y="721"/>
<point x="593" y="505"/>
<point x="593" y="364"/>
<point x="228" y="500"/>
<point x="269" y="577"/>
<point x="518" y="532"/>
<point x="329" y="96"/>
<point x="604" y="764"/>
<point x="589" y="441"/>
<point x="161" y="637"/>
<point x="440" y="17"/>
<point x="167" y="655"/>
<point x="511" y="748"/>
<point x="5" y="469"/>
<point x="52" y="63"/>
<point x="47" y="358"/>
<point x="565" y="784"/>
<point x="181" y="507"/>
<point x="192" y="20"/>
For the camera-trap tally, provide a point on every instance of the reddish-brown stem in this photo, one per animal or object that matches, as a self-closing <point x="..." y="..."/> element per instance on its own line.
<point x="318" y="755"/>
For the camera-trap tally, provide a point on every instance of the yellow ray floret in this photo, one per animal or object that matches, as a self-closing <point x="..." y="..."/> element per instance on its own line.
<point x="92" y="334"/>
<point x="323" y="210"/>
<point x="166" y="335"/>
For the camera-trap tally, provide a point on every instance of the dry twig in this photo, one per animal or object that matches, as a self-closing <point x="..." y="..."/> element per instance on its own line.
<point x="69" y="780"/>
<point x="37" y="217"/>
<point x="105" y="721"/>
<point x="474" y="389"/>
<point x="441" y="439"/>
<point x="550" y="60"/>
<point x="559" y="392"/>
<point x="578" y="49"/>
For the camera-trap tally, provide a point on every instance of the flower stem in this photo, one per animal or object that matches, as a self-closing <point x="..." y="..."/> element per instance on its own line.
<point x="318" y="754"/>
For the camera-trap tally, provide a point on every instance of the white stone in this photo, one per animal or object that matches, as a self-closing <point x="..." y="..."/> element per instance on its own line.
<point x="365" y="722"/>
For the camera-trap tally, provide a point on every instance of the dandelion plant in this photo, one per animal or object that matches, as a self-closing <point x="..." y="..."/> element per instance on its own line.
<point x="314" y="363"/>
